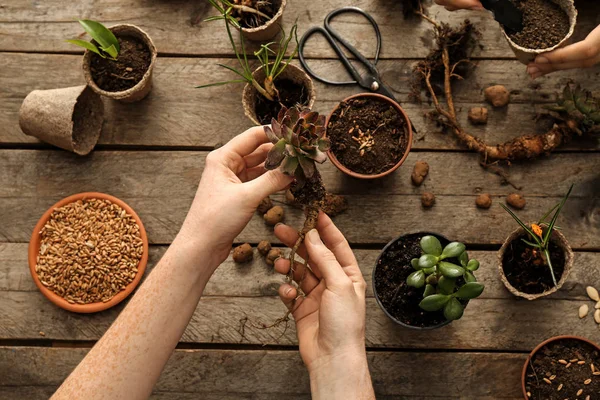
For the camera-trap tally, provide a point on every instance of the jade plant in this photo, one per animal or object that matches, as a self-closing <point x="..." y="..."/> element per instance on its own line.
<point x="106" y="46"/>
<point x="446" y="285"/>
<point x="273" y="62"/>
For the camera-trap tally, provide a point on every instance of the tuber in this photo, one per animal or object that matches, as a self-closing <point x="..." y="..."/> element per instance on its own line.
<point x="497" y="95"/>
<point x="264" y="247"/>
<point x="516" y="201"/>
<point x="273" y="255"/>
<point x="427" y="199"/>
<point x="265" y="205"/>
<point x="420" y="171"/>
<point x="484" y="200"/>
<point x="274" y="215"/>
<point x="243" y="253"/>
<point x="478" y="115"/>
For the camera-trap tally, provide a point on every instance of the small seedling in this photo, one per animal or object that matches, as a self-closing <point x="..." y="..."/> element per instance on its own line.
<point x="106" y="46"/>
<point x="273" y="62"/>
<point x="539" y="234"/>
<point x="440" y="278"/>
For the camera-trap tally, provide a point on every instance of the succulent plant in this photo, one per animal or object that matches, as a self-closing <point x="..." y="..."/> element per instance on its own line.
<point x="440" y="277"/>
<point x="298" y="136"/>
<point x="581" y="106"/>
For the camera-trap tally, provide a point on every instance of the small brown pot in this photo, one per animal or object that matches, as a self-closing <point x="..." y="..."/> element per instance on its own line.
<point x="69" y="118"/>
<point x="559" y="239"/>
<point x="394" y="104"/>
<point x="542" y="345"/>
<point x="525" y="55"/>
<point x="143" y="87"/>
<point x="291" y="72"/>
<point x="267" y="31"/>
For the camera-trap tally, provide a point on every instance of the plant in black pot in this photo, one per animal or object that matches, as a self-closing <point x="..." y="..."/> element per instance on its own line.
<point x="423" y="281"/>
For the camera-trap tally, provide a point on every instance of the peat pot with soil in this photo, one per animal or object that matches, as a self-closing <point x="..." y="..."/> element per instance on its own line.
<point x="370" y="136"/>
<point x="536" y="259"/>
<point x="547" y="25"/>
<point x="258" y="20"/>
<point x="563" y="367"/>
<point x="119" y="61"/>
<point x="424" y="281"/>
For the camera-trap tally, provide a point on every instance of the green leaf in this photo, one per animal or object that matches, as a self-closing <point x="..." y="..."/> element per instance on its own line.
<point x="415" y="263"/>
<point x="531" y="243"/>
<point x="220" y="83"/>
<point x="416" y="279"/>
<point x="453" y="249"/>
<point x="469" y="277"/>
<point x="450" y="270"/>
<point x="473" y="265"/>
<point x="289" y="166"/>
<point x="100" y="34"/>
<point x="429" y="290"/>
<point x="469" y="290"/>
<point x="463" y="258"/>
<point x="522" y="224"/>
<point x="431" y="279"/>
<point x="112" y="51"/>
<point x="431" y="245"/>
<point x="446" y="285"/>
<point x="86" y="45"/>
<point x="429" y="271"/>
<point x="427" y="261"/>
<point x="276" y="155"/>
<point x="453" y="310"/>
<point x="555" y="217"/>
<point x="434" y="302"/>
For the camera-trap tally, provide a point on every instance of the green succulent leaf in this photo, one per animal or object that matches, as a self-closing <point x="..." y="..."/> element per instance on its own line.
<point x="429" y="290"/>
<point x="275" y="155"/>
<point x="453" y="310"/>
<point x="416" y="279"/>
<point x="450" y="270"/>
<point x="427" y="261"/>
<point x="464" y="259"/>
<point x="289" y="165"/>
<point x="473" y="265"/>
<point x="324" y="144"/>
<point x="415" y="263"/>
<point x="431" y="245"/>
<point x="431" y="279"/>
<point x="469" y="277"/>
<point x="453" y="249"/>
<point x="430" y="271"/>
<point x="434" y="302"/>
<point x="308" y="166"/>
<point x="446" y="285"/>
<point x="469" y="290"/>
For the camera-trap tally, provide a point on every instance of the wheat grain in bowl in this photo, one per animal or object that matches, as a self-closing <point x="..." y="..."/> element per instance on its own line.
<point x="90" y="250"/>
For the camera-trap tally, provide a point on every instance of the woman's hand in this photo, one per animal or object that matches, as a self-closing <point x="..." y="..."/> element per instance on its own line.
<point x="330" y="320"/>
<point x="453" y="5"/>
<point x="582" y="54"/>
<point x="233" y="183"/>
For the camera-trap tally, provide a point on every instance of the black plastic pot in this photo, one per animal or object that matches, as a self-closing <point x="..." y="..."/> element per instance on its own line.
<point x="444" y="241"/>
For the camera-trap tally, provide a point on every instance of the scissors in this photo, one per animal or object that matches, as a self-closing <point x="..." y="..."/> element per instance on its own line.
<point x="370" y="80"/>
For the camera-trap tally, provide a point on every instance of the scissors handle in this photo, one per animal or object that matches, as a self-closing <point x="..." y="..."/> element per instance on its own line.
<point x="331" y="36"/>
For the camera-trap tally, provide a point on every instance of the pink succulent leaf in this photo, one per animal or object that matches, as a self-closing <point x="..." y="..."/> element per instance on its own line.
<point x="320" y="132"/>
<point x="290" y="150"/>
<point x="320" y="121"/>
<point x="286" y="121"/>
<point x="271" y="134"/>
<point x="311" y="117"/>
<point x="295" y="140"/>
<point x="300" y="178"/>
<point x="281" y="113"/>
<point x="294" y="114"/>
<point x="324" y="144"/>
<point x="308" y="166"/>
<point x="275" y="155"/>
<point x="276" y="126"/>
<point x="289" y="165"/>
<point x="318" y="156"/>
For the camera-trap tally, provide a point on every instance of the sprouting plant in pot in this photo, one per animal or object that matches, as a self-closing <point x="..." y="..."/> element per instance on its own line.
<point x="447" y="286"/>
<point x="536" y="257"/>
<point x="299" y="143"/>
<point x="244" y="13"/>
<point x="106" y="46"/>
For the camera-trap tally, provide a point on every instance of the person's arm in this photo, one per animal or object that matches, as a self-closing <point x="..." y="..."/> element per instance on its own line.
<point x="129" y="358"/>
<point x="330" y="319"/>
<point x="582" y="54"/>
<point x="453" y="5"/>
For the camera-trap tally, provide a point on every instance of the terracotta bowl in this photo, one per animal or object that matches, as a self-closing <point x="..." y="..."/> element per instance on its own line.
<point x="540" y="346"/>
<point x="34" y="249"/>
<point x="394" y="104"/>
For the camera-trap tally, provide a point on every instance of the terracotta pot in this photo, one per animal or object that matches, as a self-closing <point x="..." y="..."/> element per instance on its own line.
<point x="525" y="55"/>
<point x="539" y="347"/>
<point x="387" y="246"/>
<point x="559" y="239"/>
<point x="34" y="249"/>
<point x="267" y="31"/>
<point x="143" y="87"/>
<point x="70" y="118"/>
<point x="291" y="72"/>
<point x="394" y="104"/>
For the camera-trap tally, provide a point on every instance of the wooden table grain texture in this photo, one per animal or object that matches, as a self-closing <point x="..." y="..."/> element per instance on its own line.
<point x="151" y="155"/>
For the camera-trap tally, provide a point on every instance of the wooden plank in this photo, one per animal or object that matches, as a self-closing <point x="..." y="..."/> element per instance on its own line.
<point x="488" y="324"/>
<point x="257" y="279"/>
<point x="177" y="114"/>
<point x="265" y="374"/>
<point x="34" y="180"/>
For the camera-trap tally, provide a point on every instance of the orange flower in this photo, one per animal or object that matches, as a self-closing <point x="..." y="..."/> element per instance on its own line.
<point x="536" y="229"/>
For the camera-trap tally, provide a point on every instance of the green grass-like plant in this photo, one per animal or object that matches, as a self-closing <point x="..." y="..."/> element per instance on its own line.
<point x="439" y="277"/>
<point x="108" y="45"/>
<point x="538" y="238"/>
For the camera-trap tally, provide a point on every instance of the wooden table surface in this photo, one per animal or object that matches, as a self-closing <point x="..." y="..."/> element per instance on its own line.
<point x="151" y="155"/>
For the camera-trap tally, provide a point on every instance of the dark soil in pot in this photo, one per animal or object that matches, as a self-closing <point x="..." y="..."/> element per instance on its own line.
<point x="368" y="136"/>
<point x="526" y="272"/>
<point x="545" y="24"/>
<point x="252" y="20"/>
<point x="550" y="361"/>
<point x="400" y="300"/>
<point x="127" y="71"/>
<point x="290" y="95"/>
